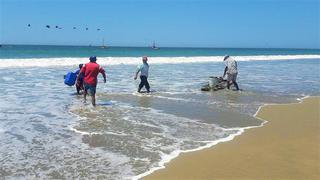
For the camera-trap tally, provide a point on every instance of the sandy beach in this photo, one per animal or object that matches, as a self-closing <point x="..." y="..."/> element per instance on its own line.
<point x="287" y="147"/>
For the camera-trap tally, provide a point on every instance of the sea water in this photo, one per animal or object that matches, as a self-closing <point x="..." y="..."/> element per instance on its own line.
<point x="48" y="132"/>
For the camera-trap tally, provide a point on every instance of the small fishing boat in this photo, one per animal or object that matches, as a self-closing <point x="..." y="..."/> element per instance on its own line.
<point x="154" y="46"/>
<point x="103" y="46"/>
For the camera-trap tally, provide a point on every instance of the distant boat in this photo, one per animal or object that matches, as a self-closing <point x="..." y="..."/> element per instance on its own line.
<point x="154" y="46"/>
<point x="103" y="46"/>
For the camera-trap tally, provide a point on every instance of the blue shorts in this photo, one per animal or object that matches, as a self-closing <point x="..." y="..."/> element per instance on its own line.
<point x="92" y="89"/>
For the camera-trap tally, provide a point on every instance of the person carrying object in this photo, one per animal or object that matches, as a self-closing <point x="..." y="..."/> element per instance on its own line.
<point x="231" y="70"/>
<point x="79" y="86"/>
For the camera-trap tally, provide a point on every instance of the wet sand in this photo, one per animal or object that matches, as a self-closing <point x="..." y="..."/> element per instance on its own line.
<point x="287" y="147"/>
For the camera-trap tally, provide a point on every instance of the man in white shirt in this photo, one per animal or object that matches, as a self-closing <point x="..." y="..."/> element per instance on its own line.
<point x="231" y="70"/>
<point x="144" y="72"/>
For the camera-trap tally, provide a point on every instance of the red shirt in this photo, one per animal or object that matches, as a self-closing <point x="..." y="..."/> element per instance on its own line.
<point x="91" y="71"/>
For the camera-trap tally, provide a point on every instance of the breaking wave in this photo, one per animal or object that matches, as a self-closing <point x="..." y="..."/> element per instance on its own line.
<point x="47" y="62"/>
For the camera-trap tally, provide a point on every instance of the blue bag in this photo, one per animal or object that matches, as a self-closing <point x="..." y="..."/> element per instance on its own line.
<point x="70" y="79"/>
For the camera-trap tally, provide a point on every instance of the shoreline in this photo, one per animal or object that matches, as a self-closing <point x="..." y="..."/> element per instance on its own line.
<point x="176" y="153"/>
<point x="152" y="174"/>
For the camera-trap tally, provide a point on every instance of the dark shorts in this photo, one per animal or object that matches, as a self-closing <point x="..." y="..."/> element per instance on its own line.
<point x="90" y="89"/>
<point x="232" y="77"/>
<point x="80" y="85"/>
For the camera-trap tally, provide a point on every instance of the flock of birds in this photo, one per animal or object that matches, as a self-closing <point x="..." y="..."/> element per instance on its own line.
<point x="98" y="29"/>
<point x="58" y="27"/>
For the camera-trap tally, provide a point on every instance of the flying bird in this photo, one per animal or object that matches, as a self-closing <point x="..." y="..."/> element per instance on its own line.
<point x="29" y="25"/>
<point x="47" y="26"/>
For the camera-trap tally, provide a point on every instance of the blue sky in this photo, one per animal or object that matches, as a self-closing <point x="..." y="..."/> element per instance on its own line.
<point x="177" y="23"/>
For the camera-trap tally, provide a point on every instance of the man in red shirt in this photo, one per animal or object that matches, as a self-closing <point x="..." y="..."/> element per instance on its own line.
<point x="90" y="72"/>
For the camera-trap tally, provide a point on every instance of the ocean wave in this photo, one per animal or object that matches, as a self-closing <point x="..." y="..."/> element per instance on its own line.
<point x="48" y="62"/>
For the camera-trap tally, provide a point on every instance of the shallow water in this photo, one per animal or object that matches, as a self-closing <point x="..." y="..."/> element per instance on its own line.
<point x="48" y="132"/>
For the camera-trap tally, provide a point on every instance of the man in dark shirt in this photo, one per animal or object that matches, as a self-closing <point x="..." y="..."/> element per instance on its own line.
<point x="79" y="86"/>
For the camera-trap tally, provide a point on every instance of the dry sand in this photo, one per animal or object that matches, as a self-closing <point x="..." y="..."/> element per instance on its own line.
<point x="287" y="147"/>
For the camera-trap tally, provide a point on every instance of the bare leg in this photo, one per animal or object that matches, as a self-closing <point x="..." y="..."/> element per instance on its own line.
<point x="85" y="96"/>
<point x="78" y="90"/>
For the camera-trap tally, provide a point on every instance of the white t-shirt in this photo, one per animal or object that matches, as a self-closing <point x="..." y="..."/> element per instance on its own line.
<point x="232" y="66"/>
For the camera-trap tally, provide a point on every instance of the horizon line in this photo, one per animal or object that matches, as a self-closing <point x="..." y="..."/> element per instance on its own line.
<point x="191" y="47"/>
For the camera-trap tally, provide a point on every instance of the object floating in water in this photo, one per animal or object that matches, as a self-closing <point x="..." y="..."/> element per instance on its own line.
<point x="215" y="84"/>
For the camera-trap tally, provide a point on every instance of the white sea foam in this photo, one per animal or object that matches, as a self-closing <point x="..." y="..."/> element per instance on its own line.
<point x="48" y="62"/>
<point x="84" y="132"/>
<point x="96" y="133"/>
<point x="8" y="78"/>
<point x="166" y="158"/>
<point x="174" y="99"/>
